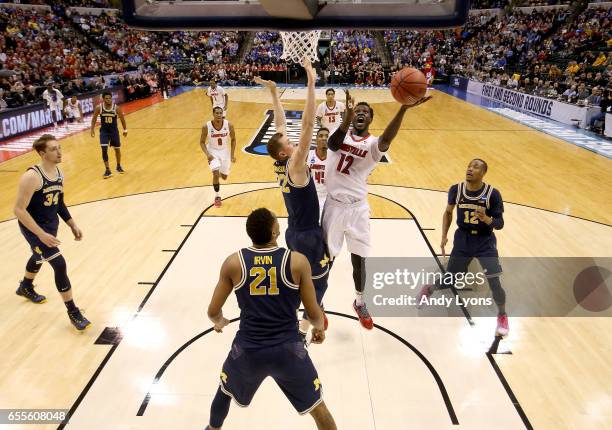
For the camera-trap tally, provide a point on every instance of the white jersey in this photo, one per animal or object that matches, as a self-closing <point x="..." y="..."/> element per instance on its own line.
<point x="218" y="140"/>
<point x="73" y="109"/>
<point x="330" y="118"/>
<point x="218" y="96"/>
<point x="53" y="98"/>
<point x="348" y="168"/>
<point x="317" y="168"/>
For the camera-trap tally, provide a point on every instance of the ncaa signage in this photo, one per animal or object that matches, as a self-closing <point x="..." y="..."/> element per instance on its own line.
<point x="294" y="127"/>
<point x="541" y="106"/>
<point x="18" y="121"/>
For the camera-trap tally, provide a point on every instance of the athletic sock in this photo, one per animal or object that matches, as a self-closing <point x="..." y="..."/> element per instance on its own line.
<point x="70" y="305"/>
<point x="27" y="282"/>
<point x="359" y="298"/>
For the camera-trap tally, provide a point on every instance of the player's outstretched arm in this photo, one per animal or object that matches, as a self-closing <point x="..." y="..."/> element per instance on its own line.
<point x="229" y="270"/>
<point x="94" y="118"/>
<point x="336" y="139"/>
<point x="279" y="113"/>
<point x="302" y="275"/>
<point x="27" y="185"/>
<point x="391" y="131"/>
<point x="301" y="152"/>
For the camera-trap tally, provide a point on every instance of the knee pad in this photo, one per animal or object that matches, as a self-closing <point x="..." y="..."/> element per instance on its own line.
<point x="33" y="264"/>
<point x="499" y="295"/>
<point x="62" y="282"/>
<point x="105" y="153"/>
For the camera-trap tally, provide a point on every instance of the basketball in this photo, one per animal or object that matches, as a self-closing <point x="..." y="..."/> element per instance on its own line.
<point x="408" y="86"/>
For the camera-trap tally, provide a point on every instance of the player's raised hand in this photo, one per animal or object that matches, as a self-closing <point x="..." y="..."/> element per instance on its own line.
<point x="350" y="101"/>
<point x="264" y="82"/>
<point x="310" y="71"/>
<point x="318" y="336"/>
<point x="443" y="244"/>
<point x="221" y="324"/>
<point x="420" y="102"/>
<point x="49" y="240"/>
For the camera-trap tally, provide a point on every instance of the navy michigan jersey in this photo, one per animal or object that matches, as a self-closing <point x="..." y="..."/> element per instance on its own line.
<point x="302" y="202"/>
<point x="45" y="201"/>
<point x="267" y="297"/>
<point x="108" y="120"/>
<point x="468" y="202"/>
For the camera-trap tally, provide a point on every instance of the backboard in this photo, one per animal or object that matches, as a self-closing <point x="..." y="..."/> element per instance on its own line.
<point x="294" y="14"/>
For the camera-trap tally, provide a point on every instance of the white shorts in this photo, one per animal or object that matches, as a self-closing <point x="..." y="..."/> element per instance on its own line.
<point x="350" y="220"/>
<point x="322" y="199"/>
<point x="221" y="161"/>
<point x="73" y="114"/>
<point x="57" y="106"/>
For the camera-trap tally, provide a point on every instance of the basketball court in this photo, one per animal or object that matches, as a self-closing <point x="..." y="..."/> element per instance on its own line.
<point x="153" y="246"/>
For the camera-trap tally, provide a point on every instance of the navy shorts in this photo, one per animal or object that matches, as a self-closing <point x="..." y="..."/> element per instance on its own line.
<point x="467" y="246"/>
<point x="39" y="248"/>
<point x="288" y="364"/>
<point x="312" y="245"/>
<point x="111" y="139"/>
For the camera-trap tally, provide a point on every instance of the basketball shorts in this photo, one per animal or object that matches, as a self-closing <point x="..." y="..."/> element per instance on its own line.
<point x="350" y="221"/>
<point x="322" y="198"/>
<point x="311" y="243"/>
<point x="467" y="246"/>
<point x="73" y="114"/>
<point x="111" y="139"/>
<point x="38" y="248"/>
<point x="56" y="106"/>
<point x="288" y="364"/>
<point x="222" y="161"/>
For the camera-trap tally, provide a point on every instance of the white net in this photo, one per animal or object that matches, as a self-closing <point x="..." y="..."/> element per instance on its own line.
<point x="300" y="44"/>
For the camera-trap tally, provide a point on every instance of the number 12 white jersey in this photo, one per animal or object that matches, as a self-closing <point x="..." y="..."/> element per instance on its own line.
<point x="348" y="168"/>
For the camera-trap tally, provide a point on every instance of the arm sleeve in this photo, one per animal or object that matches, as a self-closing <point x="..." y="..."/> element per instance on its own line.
<point x="62" y="210"/>
<point x="497" y="210"/>
<point x="452" y="194"/>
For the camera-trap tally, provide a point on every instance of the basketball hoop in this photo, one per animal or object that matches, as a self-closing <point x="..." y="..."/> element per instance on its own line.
<point x="300" y="44"/>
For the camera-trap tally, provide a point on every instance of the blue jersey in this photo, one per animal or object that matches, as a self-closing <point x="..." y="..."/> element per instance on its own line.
<point x="468" y="202"/>
<point x="45" y="201"/>
<point x="267" y="297"/>
<point x="302" y="202"/>
<point x="108" y="119"/>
